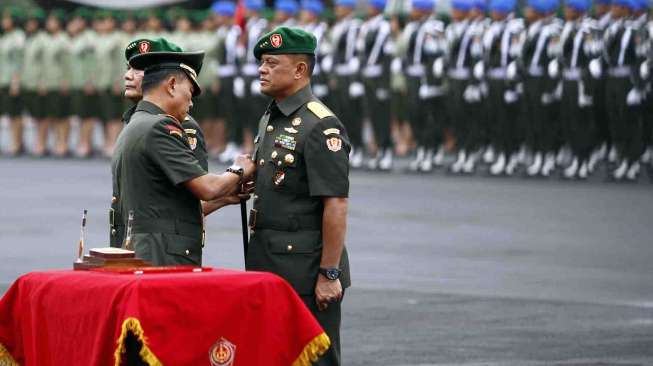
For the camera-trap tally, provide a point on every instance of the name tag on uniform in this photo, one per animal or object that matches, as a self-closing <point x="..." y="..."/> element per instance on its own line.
<point x="286" y="142"/>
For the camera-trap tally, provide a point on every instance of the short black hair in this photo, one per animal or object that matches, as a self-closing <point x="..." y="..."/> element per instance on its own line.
<point x="153" y="79"/>
<point x="310" y="62"/>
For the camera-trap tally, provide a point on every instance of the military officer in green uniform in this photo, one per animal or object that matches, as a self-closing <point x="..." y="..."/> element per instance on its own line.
<point x="155" y="172"/>
<point x="133" y="80"/>
<point x="300" y="205"/>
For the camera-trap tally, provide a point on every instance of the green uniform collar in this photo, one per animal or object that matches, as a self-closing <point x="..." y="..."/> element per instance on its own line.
<point x="293" y="102"/>
<point x="149" y="107"/>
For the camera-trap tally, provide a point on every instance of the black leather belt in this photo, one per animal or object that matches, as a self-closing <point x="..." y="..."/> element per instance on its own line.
<point x="257" y="220"/>
<point x="167" y="226"/>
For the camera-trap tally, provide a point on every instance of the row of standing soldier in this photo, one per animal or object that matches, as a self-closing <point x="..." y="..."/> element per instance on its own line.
<point x="500" y="85"/>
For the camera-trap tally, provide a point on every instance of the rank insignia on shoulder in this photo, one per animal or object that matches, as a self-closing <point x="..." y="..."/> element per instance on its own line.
<point x="290" y="130"/>
<point x="332" y="131"/>
<point x="334" y="144"/>
<point x="319" y="110"/>
<point x="174" y="130"/>
<point x="297" y="121"/>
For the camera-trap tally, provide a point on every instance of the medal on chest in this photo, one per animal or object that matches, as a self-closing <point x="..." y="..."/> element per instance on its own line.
<point x="285" y="142"/>
<point x="278" y="177"/>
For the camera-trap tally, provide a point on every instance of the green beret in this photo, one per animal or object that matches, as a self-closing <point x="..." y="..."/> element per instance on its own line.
<point x="102" y="14"/>
<point x="36" y="13"/>
<point x="14" y="12"/>
<point x="60" y="14"/>
<point x="83" y="12"/>
<point x="284" y="40"/>
<point x="174" y="14"/>
<point x="158" y="54"/>
<point x="199" y="16"/>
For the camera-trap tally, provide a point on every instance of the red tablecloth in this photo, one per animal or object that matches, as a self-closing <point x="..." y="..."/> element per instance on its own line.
<point x="80" y="318"/>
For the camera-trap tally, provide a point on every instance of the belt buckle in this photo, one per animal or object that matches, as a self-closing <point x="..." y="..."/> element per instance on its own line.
<point x="252" y="219"/>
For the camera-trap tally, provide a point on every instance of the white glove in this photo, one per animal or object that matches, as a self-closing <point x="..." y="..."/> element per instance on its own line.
<point x="239" y="87"/>
<point x="356" y="89"/>
<point x="423" y="91"/>
<point x="511" y="71"/>
<point x="510" y="96"/>
<point x="255" y="87"/>
<point x="546" y="98"/>
<point x="479" y="70"/>
<point x="644" y="71"/>
<point x="595" y="68"/>
<point x="634" y="97"/>
<point x="354" y="64"/>
<point x="438" y="67"/>
<point x="382" y="94"/>
<point x="395" y="66"/>
<point x="327" y="64"/>
<point x="554" y="69"/>
<point x="472" y="94"/>
<point x="320" y="90"/>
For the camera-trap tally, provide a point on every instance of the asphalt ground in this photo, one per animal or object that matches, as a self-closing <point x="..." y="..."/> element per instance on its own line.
<point x="447" y="270"/>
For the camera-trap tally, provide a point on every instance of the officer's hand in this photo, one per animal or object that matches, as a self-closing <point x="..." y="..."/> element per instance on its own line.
<point x="327" y="291"/>
<point x="245" y="162"/>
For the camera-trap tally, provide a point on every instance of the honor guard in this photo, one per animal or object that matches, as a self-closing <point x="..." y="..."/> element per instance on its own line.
<point x="12" y="45"/>
<point x="375" y="52"/>
<point x="346" y="90"/>
<point x="623" y="97"/>
<point x="540" y="84"/>
<point x="602" y="140"/>
<point x="501" y="49"/>
<point x="155" y="172"/>
<point x="299" y="217"/>
<point x="423" y="66"/>
<point x="310" y="21"/>
<point x="579" y="45"/>
<point x="33" y="68"/>
<point x="247" y="87"/>
<point x="285" y="13"/>
<point x="225" y="41"/>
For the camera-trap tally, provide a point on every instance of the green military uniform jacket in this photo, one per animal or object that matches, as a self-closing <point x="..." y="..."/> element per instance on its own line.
<point x="11" y="56"/>
<point x="33" y="61"/>
<point x="302" y="152"/>
<point x="56" y="58"/>
<point x="152" y="160"/>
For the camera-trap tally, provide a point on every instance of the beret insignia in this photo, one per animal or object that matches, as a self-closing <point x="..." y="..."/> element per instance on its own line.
<point x="144" y="47"/>
<point x="276" y="40"/>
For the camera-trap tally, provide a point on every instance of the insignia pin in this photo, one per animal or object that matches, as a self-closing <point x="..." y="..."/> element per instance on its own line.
<point x="297" y="121"/>
<point x="289" y="158"/>
<point x="270" y="128"/>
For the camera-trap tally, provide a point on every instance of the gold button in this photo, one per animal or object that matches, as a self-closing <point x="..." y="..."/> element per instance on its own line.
<point x="113" y="232"/>
<point x="113" y="199"/>
<point x="261" y="162"/>
<point x="270" y="128"/>
<point x="187" y="252"/>
<point x="289" y="159"/>
<point x="289" y="247"/>
<point x="297" y="121"/>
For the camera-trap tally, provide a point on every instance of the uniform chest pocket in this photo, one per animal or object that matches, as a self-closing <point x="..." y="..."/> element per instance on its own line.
<point x="286" y="170"/>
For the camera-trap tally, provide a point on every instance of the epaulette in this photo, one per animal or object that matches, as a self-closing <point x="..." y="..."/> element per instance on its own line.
<point x="319" y="110"/>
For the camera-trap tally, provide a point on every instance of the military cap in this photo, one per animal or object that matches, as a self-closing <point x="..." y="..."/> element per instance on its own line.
<point x="377" y="4"/>
<point x="167" y="56"/>
<point x="223" y="7"/>
<point x="36" y="13"/>
<point x="502" y="6"/>
<point x="462" y="4"/>
<point x="199" y="15"/>
<point x="102" y="14"/>
<point x="14" y="12"/>
<point x="543" y="6"/>
<point x="602" y="2"/>
<point x="425" y="4"/>
<point x="313" y="6"/>
<point x="287" y="6"/>
<point x="254" y="4"/>
<point x="60" y="14"/>
<point x="176" y="13"/>
<point x="285" y="40"/>
<point x="479" y="4"/>
<point x="83" y="12"/>
<point x="346" y="3"/>
<point x="578" y="5"/>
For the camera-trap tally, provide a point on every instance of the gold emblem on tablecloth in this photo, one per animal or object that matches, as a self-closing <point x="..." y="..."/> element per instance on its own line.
<point x="222" y="353"/>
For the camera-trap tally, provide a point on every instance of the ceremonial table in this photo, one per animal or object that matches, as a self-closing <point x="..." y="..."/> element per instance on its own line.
<point x="176" y="317"/>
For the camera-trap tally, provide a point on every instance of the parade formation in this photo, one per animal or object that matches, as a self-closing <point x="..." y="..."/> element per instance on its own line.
<point x="543" y="89"/>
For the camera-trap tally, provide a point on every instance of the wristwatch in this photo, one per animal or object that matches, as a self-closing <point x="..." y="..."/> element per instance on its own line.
<point x="330" y="273"/>
<point x="236" y="169"/>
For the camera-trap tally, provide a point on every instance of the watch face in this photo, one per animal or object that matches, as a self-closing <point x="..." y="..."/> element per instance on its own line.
<point x="332" y="274"/>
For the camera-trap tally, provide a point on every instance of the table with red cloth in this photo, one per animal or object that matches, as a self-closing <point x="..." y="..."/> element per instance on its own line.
<point x="201" y="317"/>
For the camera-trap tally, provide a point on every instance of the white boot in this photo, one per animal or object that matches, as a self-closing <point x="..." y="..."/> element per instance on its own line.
<point x="549" y="164"/>
<point x="594" y="159"/>
<point x="521" y="156"/>
<point x="414" y="165"/>
<point x="612" y="155"/>
<point x="427" y="164"/>
<point x="356" y="158"/>
<point x="438" y="159"/>
<point x="534" y="169"/>
<point x="488" y="155"/>
<point x="499" y="165"/>
<point x="633" y="171"/>
<point x="458" y="165"/>
<point x="563" y="156"/>
<point x="646" y="157"/>
<point x="373" y="163"/>
<point x="620" y="172"/>
<point x="583" y="171"/>
<point x="470" y="164"/>
<point x="571" y="170"/>
<point x="512" y="164"/>
<point x="386" y="160"/>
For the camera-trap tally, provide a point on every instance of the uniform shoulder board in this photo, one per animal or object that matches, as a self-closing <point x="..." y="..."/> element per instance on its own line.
<point x="319" y="110"/>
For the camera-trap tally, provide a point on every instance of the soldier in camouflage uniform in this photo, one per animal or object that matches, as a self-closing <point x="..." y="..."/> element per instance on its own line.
<point x="12" y="43"/>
